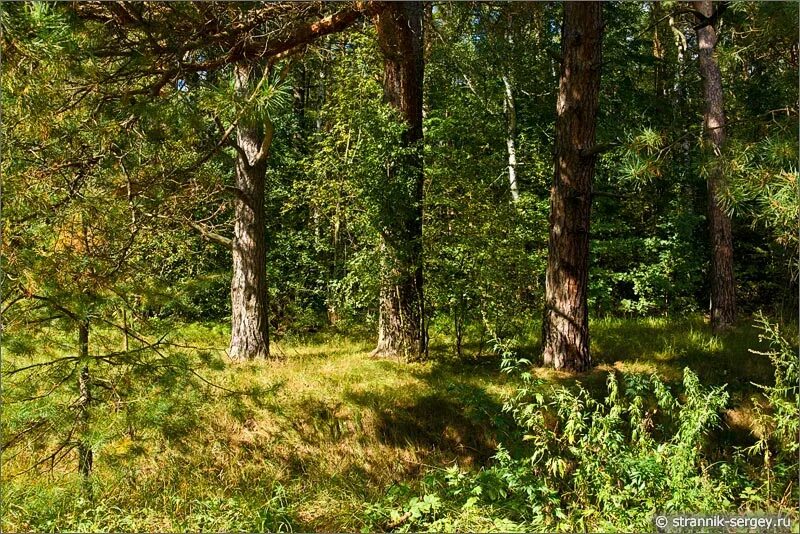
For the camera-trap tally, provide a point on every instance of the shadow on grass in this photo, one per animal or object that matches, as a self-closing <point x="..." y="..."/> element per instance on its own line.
<point x="664" y="346"/>
<point x="667" y="346"/>
<point x="461" y="422"/>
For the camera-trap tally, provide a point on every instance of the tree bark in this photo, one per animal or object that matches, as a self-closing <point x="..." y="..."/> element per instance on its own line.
<point x="249" y="291"/>
<point x="723" y="285"/>
<point x="511" y="135"/>
<point x="565" y="328"/>
<point x="401" y="329"/>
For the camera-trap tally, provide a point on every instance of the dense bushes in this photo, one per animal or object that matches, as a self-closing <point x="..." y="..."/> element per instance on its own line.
<point x="777" y="420"/>
<point x="583" y="463"/>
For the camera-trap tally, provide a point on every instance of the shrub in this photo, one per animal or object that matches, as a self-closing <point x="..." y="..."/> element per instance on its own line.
<point x="777" y="424"/>
<point x="613" y="463"/>
<point x="583" y="463"/>
<point x="587" y="463"/>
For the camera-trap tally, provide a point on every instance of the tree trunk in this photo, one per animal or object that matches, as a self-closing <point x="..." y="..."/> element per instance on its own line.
<point x="401" y="329"/>
<point x="249" y="292"/>
<point x="85" y="455"/>
<point x="565" y="328"/>
<point x="723" y="285"/>
<point x="511" y="134"/>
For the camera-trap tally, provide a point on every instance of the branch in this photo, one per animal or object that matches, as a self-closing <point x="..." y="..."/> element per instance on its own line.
<point x="67" y="443"/>
<point x="69" y="313"/>
<point x="13" y="301"/>
<point x="671" y="14"/>
<point x="263" y="152"/>
<point x="598" y="149"/>
<point x="225" y="140"/>
<point x="554" y="55"/>
<point x="267" y="47"/>
<point x="608" y="194"/>
<point x="337" y="22"/>
<point x="269" y="127"/>
<point x="211" y="236"/>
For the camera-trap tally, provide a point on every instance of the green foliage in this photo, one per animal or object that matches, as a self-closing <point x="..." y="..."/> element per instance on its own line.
<point x="295" y="446"/>
<point x="584" y="460"/>
<point x="594" y="465"/>
<point x="608" y="464"/>
<point x="353" y="183"/>
<point x="103" y="176"/>
<point x="337" y="429"/>
<point x="763" y="184"/>
<point x="332" y="190"/>
<point x="648" y="275"/>
<point x="35" y="29"/>
<point x="777" y="420"/>
<point x="485" y="254"/>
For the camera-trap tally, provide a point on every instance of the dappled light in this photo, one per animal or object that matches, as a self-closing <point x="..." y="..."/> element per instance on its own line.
<point x="412" y="266"/>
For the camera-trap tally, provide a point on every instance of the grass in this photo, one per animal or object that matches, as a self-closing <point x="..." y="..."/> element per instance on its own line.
<point x="318" y="434"/>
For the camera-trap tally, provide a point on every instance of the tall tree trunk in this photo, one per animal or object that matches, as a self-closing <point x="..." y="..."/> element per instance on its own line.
<point x="723" y="285"/>
<point x="249" y="292"/>
<point x="510" y="107"/>
<point x="401" y="330"/>
<point x="85" y="454"/>
<point x="565" y="328"/>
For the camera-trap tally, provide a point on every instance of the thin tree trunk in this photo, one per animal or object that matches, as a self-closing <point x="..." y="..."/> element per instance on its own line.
<point x="658" y="51"/>
<point x="679" y="91"/>
<point x="723" y="285"/>
<point x="401" y="329"/>
<point x="511" y="135"/>
<point x="85" y="455"/>
<point x="126" y="344"/>
<point x="249" y="292"/>
<point x="565" y="328"/>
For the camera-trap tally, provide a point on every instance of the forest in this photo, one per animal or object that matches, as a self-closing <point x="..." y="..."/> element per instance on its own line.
<point x="413" y="266"/>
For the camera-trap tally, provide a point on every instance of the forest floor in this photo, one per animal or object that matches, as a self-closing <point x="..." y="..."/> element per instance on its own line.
<point x="327" y="430"/>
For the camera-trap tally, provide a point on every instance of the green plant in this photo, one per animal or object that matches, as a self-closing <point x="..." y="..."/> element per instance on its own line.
<point x="585" y="463"/>
<point x="614" y="462"/>
<point x="777" y="422"/>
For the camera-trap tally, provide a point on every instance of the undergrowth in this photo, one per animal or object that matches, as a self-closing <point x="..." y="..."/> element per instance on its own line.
<point x="330" y="439"/>
<point x="611" y="462"/>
